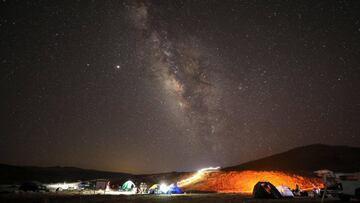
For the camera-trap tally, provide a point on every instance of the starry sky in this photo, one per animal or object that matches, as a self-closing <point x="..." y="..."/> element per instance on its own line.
<point x="155" y="86"/>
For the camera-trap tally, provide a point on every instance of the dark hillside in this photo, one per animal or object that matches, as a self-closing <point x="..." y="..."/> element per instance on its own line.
<point x="308" y="159"/>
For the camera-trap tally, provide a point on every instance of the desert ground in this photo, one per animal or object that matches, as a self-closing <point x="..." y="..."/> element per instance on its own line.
<point x="221" y="198"/>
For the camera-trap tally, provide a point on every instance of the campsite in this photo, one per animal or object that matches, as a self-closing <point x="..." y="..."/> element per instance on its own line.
<point x="211" y="184"/>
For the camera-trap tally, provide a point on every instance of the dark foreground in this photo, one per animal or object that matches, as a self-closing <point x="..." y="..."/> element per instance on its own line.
<point x="221" y="198"/>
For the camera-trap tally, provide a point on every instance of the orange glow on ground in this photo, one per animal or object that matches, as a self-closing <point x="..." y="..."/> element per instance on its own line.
<point x="244" y="181"/>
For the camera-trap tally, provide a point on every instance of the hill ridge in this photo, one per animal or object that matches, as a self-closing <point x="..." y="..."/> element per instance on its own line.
<point x="339" y="158"/>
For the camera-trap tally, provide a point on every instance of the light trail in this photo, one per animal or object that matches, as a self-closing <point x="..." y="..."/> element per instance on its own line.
<point x="199" y="174"/>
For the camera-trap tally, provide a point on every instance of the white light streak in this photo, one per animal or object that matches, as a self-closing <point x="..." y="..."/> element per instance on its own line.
<point x="197" y="176"/>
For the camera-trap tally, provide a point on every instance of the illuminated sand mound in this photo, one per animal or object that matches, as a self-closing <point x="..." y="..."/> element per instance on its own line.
<point x="243" y="181"/>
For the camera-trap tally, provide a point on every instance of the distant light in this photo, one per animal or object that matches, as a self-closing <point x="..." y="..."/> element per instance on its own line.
<point x="164" y="188"/>
<point x="64" y="186"/>
<point x="199" y="174"/>
<point x="118" y="66"/>
<point x="209" y="169"/>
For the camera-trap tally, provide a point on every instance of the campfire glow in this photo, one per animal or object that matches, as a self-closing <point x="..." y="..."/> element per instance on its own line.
<point x="244" y="181"/>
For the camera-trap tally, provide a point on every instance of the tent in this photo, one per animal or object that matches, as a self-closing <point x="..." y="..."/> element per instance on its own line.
<point x="154" y="189"/>
<point x="285" y="191"/>
<point x="266" y="190"/>
<point x="128" y="185"/>
<point x="174" y="189"/>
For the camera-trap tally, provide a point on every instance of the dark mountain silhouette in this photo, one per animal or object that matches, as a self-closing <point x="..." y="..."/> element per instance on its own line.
<point x="308" y="159"/>
<point x="18" y="174"/>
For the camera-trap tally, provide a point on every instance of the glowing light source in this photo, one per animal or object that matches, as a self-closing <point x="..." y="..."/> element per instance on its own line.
<point x="209" y="169"/>
<point x="164" y="188"/>
<point x="199" y="174"/>
<point x="63" y="186"/>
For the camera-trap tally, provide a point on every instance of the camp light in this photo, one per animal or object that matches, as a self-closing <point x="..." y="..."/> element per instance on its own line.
<point x="64" y="186"/>
<point x="197" y="175"/>
<point x="164" y="188"/>
<point x="209" y="169"/>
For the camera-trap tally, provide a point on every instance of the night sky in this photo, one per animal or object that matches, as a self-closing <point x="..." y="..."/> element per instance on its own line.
<point x="155" y="86"/>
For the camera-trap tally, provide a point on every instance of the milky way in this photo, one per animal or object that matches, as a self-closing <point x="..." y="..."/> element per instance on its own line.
<point x="183" y="69"/>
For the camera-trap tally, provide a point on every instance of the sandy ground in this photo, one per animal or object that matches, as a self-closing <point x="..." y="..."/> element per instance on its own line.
<point x="221" y="198"/>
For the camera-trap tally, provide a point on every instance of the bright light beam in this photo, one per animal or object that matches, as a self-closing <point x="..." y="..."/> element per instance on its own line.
<point x="197" y="176"/>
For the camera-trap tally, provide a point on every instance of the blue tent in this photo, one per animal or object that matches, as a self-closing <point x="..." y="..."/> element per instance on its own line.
<point x="174" y="189"/>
